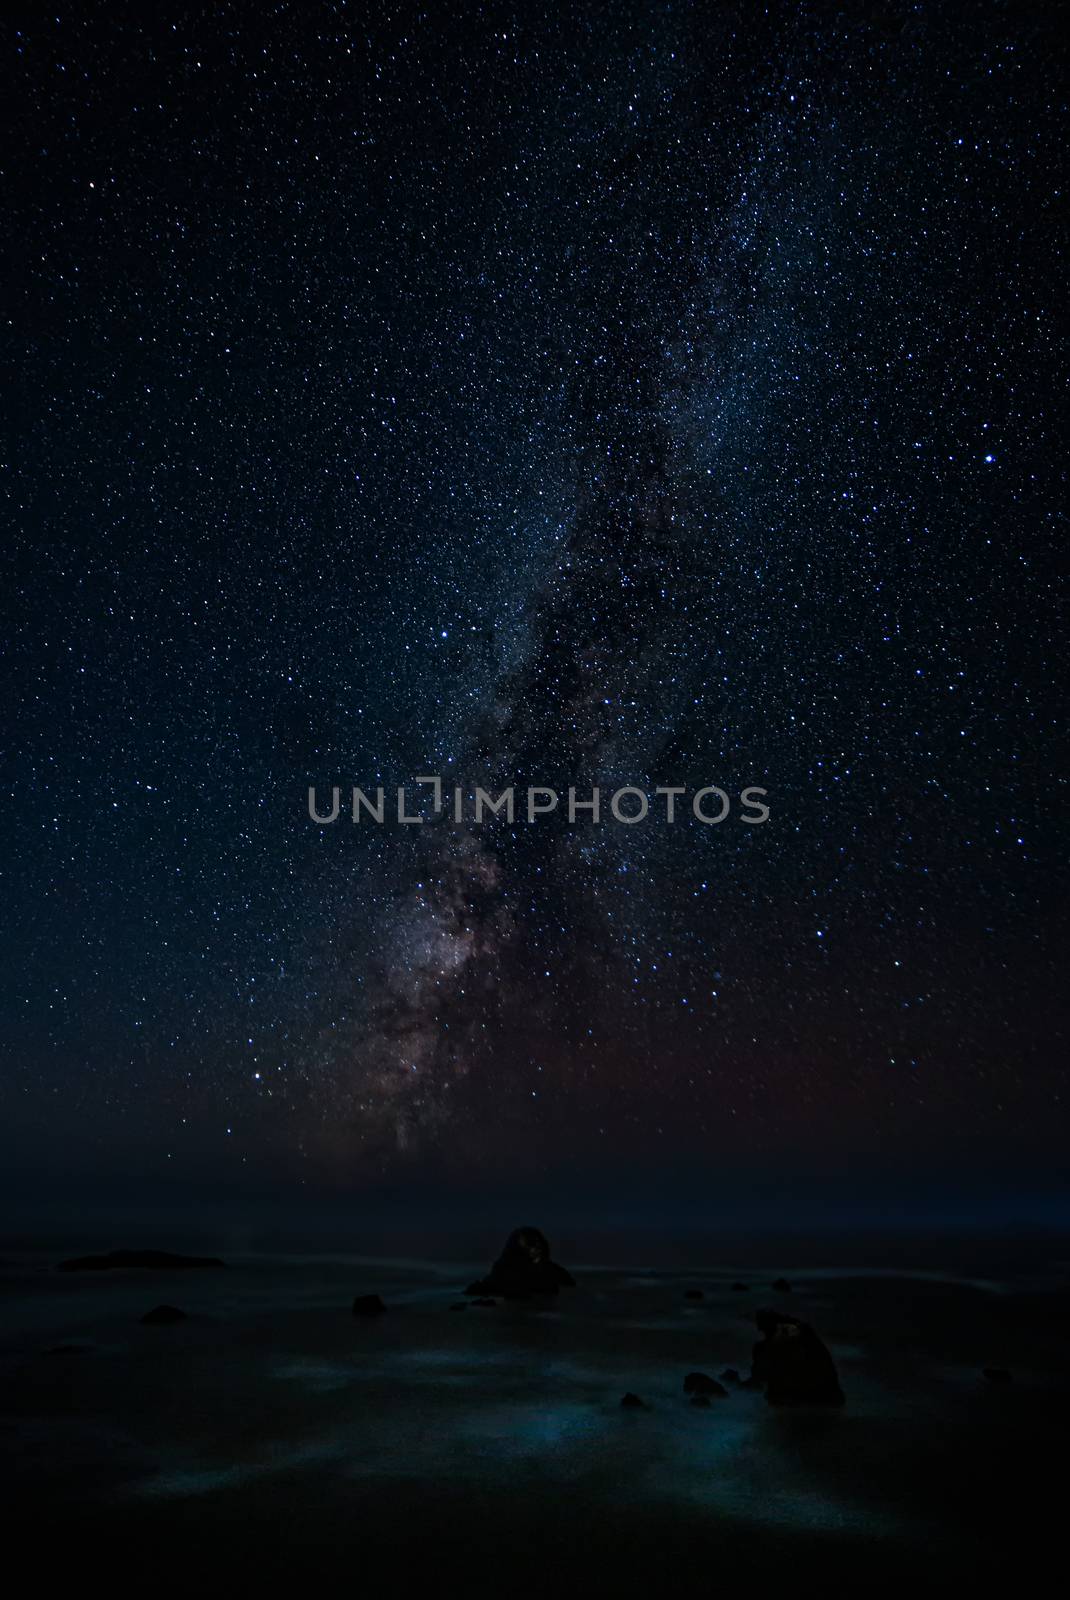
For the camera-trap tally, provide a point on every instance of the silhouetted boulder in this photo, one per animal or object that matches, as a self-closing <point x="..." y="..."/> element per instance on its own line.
<point x="730" y="1375"/>
<point x="792" y="1364"/>
<point x="996" y="1374"/>
<point x="147" y="1260"/>
<point x="694" y="1294"/>
<point x="632" y="1402"/>
<point x="741" y="1288"/>
<point x="162" y="1316"/>
<point x="524" y="1267"/>
<point x="782" y="1286"/>
<point x="368" y="1305"/>
<point x="701" y="1383"/>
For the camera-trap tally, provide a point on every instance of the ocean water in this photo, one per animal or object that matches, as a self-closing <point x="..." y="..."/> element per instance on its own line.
<point x="272" y="1429"/>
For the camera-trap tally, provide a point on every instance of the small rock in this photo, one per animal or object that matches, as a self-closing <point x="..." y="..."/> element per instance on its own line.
<point x="730" y="1375"/>
<point x="459" y="1305"/>
<point x="694" y="1294"/>
<point x="368" y="1305"/>
<point x="160" y="1316"/>
<point x="632" y="1402"/>
<point x="782" y="1286"/>
<point x="741" y="1288"/>
<point x="702" y="1383"/>
<point x="997" y="1374"/>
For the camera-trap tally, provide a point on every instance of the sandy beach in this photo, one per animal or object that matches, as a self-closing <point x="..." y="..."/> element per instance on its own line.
<point x="274" y="1430"/>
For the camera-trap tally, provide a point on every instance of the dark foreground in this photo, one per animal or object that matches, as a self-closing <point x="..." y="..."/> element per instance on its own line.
<point x="273" y="1435"/>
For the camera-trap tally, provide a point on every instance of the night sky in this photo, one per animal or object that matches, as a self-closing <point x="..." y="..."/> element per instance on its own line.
<point x="617" y="394"/>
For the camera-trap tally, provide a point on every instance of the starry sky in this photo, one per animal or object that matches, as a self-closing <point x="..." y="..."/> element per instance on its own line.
<point x="641" y="393"/>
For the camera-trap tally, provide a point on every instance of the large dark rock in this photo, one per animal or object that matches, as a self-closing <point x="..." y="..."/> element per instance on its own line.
<point x="152" y="1260"/>
<point x="792" y="1364"/>
<point x="523" y="1268"/>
